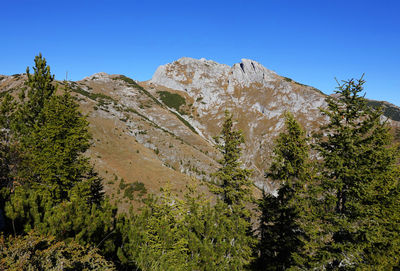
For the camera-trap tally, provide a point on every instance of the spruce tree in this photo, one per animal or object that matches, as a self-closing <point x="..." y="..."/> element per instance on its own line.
<point x="234" y="184"/>
<point x="359" y="198"/>
<point x="234" y="189"/>
<point x="283" y="215"/>
<point x="216" y="241"/>
<point x="184" y="234"/>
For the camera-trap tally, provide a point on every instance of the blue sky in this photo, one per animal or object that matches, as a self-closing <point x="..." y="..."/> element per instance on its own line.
<point x="309" y="41"/>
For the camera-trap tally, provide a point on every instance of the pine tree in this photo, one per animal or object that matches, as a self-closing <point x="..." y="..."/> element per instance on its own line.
<point x="282" y="216"/>
<point x="51" y="136"/>
<point x="40" y="86"/>
<point x="40" y="252"/>
<point x="9" y="155"/>
<point x="359" y="198"/>
<point x="55" y="156"/>
<point x="57" y="191"/>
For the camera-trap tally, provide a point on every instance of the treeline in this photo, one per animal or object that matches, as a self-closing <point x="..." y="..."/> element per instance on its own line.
<point x="337" y="206"/>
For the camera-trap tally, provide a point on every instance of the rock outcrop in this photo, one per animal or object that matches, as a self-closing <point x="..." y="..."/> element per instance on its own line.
<point x="162" y="130"/>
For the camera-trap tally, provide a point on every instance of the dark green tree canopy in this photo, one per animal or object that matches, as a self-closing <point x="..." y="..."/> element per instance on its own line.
<point x="40" y="86"/>
<point x="235" y="184"/>
<point x="283" y="216"/>
<point x="56" y="147"/>
<point x="55" y="189"/>
<point x="40" y="252"/>
<point x="359" y="183"/>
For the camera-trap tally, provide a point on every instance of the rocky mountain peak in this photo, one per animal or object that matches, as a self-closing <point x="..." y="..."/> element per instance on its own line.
<point x="196" y="73"/>
<point x="249" y="71"/>
<point x="257" y="96"/>
<point x="163" y="129"/>
<point x="102" y="76"/>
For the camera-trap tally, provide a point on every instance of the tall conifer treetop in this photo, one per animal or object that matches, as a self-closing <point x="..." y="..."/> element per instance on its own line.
<point x="234" y="180"/>
<point x="359" y="184"/>
<point x="284" y="215"/>
<point x="40" y="87"/>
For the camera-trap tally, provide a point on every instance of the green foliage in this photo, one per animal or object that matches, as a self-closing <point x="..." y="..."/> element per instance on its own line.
<point x="234" y="181"/>
<point x="347" y="216"/>
<point x="40" y="87"/>
<point x="38" y="252"/>
<point x="188" y="234"/>
<point x="52" y="136"/>
<point x="281" y="220"/>
<point x="54" y="190"/>
<point x="234" y="187"/>
<point x="359" y="190"/>
<point x="217" y="238"/>
<point x="101" y="98"/>
<point x="54" y="149"/>
<point x="132" y="83"/>
<point x="4" y="93"/>
<point x="130" y="189"/>
<point x="187" y="124"/>
<point x="9" y="156"/>
<point x="392" y="112"/>
<point x="172" y="100"/>
<point x="74" y="218"/>
<point x="153" y="239"/>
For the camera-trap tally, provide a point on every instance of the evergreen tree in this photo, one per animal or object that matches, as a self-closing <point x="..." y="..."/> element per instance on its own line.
<point x="56" y="190"/>
<point x="234" y="181"/>
<point x="72" y="218"/>
<point x="184" y="234"/>
<point x="51" y="136"/>
<point x="154" y="238"/>
<point x="10" y="157"/>
<point x="39" y="252"/>
<point x="217" y="240"/>
<point x="283" y="216"/>
<point x="40" y="86"/>
<point x="8" y="153"/>
<point x="56" y="146"/>
<point x="359" y="197"/>
<point x="234" y="188"/>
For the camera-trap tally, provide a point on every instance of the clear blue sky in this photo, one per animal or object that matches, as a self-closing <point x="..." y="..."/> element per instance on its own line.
<point x="310" y="41"/>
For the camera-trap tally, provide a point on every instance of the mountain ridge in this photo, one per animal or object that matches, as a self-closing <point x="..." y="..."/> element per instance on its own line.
<point x="161" y="130"/>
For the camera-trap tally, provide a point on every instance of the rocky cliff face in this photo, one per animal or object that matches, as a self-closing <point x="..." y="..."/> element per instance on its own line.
<point x="258" y="97"/>
<point x="162" y="130"/>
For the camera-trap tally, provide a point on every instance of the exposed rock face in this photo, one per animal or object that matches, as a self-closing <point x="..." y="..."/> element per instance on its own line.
<point x="203" y="74"/>
<point x="139" y="136"/>
<point x="247" y="85"/>
<point x="258" y="97"/>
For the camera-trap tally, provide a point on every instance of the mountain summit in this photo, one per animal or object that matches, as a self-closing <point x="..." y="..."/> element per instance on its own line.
<point x="162" y="130"/>
<point x="257" y="96"/>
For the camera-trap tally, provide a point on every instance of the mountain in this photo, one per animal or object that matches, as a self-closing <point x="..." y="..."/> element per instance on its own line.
<point x="162" y="130"/>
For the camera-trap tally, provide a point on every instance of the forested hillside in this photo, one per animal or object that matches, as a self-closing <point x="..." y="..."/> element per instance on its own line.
<point x="336" y="206"/>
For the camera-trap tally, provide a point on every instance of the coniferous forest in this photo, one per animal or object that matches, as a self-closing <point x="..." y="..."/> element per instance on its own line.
<point x="337" y="206"/>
